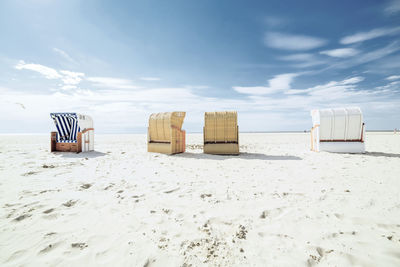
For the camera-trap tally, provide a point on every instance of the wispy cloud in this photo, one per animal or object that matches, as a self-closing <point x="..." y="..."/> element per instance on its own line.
<point x="48" y="72"/>
<point x="393" y="7"/>
<point x="368" y="57"/>
<point x="150" y="79"/>
<point x="390" y="87"/>
<point x="341" y="52"/>
<point x="69" y="79"/>
<point x="294" y="42"/>
<point x="303" y="60"/>
<point x="372" y="34"/>
<point x="279" y="83"/>
<point x="393" y="77"/>
<point x="64" y="55"/>
<point x="333" y="89"/>
<point x="111" y="82"/>
<point x="378" y="53"/>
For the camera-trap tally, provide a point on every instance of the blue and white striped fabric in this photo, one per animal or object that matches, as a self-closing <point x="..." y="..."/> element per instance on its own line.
<point x="67" y="126"/>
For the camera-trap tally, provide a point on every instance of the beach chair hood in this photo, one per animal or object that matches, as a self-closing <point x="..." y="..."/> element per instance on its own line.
<point x="165" y="134"/>
<point x="69" y="124"/>
<point x="160" y="124"/>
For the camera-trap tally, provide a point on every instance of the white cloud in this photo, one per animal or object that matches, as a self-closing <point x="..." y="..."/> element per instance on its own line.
<point x="352" y="80"/>
<point x="49" y="73"/>
<point x="368" y="57"/>
<point x="390" y="87"/>
<point x="71" y="78"/>
<point x="279" y="83"/>
<point x="333" y="89"/>
<point x="393" y="77"/>
<point x="303" y="60"/>
<point x="292" y="41"/>
<point x="64" y="55"/>
<point x="126" y="110"/>
<point x="378" y="53"/>
<point x="150" y="78"/>
<point x="340" y="52"/>
<point x="110" y="82"/>
<point x="68" y="87"/>
<point x="372" y="34"/>
<point x="393" y="7"/>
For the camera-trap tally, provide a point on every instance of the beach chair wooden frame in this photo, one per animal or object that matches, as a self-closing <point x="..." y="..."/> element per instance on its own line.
<point x="221" y="133"/>
<point x="164" y="134"/>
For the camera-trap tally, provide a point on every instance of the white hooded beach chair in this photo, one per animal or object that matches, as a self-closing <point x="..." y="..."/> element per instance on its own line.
<point x="75" y="133"/>
<point x="338" y="130"/>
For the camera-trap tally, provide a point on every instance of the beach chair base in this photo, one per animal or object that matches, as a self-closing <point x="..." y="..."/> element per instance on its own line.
<point x="163" y="148"/>
<point x="342" y="147"/>
<point x="65" y="147"/>
<point x="222" y="149"/>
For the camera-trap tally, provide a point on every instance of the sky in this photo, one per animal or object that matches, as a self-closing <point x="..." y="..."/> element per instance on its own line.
<point x="272" y="61"/>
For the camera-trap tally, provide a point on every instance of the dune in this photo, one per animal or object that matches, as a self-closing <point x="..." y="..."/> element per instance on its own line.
<point x="275" y="204"/>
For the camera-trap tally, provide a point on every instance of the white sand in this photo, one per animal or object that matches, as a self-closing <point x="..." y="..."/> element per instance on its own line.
<point x="277" y="204"/>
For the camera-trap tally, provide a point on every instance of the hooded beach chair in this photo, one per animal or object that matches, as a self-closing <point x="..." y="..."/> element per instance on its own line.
<point x="165" y="134"/>
<point x="338" y="130"/>
<point x="74" y="133"/>
<point x="221" y="133"/>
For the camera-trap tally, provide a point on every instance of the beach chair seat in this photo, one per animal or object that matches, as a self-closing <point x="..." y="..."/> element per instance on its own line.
<point x="164" y="133"/>
<point x="339" y="130"/>
<point x="75" y="133"/>
<point x="221" y="133"/>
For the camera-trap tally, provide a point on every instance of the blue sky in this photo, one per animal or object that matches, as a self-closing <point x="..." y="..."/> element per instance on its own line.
<point x="272" y="61"/>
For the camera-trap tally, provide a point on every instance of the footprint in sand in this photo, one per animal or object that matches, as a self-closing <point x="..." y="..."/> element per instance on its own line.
<point x="339" y="216"/>
<point x="274" y="213"/>
<point x="48" y="211"/>
<point x="50" y="234"/>
<point x="108" y="186"/>
<point x="69" y="203"/>
<point x="79" y="245"/>
<point x="29" y="173"/>
<point x="49" y="248"/>
<point x="203" y="196"/>
<point x="22" y="217"/>
<point x="149" y="262"/>
<point x="86" y="186"/>
<point x="48" y="166"/>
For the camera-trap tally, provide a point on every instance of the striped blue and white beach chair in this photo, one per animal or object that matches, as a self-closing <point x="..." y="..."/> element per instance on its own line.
<point x="75" y="132"/>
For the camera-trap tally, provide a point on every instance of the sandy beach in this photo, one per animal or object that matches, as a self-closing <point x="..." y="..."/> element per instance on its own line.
<point x="276" y="204"/>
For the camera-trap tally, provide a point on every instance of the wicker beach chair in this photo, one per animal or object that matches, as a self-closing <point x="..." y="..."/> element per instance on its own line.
<point x="165" y="134"/>
<point x="75" y="133"/>
<point x="339" y="130"/>
<point x="221" y="133"/>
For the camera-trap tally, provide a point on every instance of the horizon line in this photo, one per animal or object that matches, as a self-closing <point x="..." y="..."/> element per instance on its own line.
<point x="304" y="131"/>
